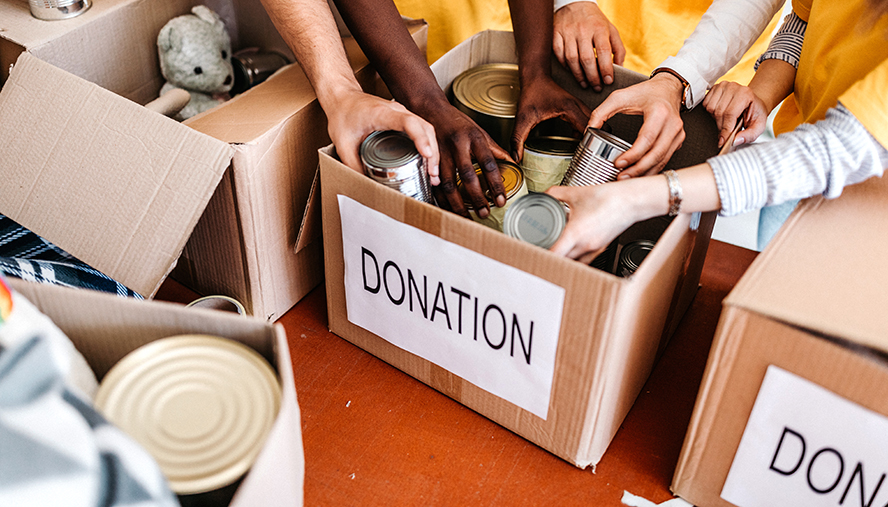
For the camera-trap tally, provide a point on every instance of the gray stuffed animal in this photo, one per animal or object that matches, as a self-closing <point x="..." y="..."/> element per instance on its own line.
<point x="195" y="55"/>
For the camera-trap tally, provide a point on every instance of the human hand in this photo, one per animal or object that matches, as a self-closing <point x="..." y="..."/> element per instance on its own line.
<point x="541" y="99"/>
<point x="460" y="140"/>
<point x="358" y="114"/>
<point x="658" y="100"/>
<point x="587" y="43"/>
<point x="598" y="214"/>
<point x="727" y="102"/>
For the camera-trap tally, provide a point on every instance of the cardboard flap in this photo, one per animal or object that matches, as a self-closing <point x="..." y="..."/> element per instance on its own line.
<point x="825" y="271"/>
<point x="69" y="147"/>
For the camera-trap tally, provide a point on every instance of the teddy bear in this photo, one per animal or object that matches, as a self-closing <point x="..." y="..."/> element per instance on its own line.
<point x="195" y="55"/>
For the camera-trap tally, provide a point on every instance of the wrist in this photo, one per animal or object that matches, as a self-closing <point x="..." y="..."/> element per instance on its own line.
<point x="676" y="85"/>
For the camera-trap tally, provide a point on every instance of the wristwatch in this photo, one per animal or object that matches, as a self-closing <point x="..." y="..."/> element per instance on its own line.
<point x="686" y="94"/>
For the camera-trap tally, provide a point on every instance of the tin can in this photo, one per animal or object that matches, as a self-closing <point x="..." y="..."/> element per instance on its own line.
<point x="391" y="158"/>
<point x="252" y="67"/>
<point x="631" y="256"/>
<point x="488" y="94"/>
<point x="514" y="185"/>
<point x="201" y="405"/>
<point x="593" y="162"/>
<point x="219" y="302"/>
<point x="51" y="10"/>
<point x="546" y="159"/>
<point x="536" y="218"/>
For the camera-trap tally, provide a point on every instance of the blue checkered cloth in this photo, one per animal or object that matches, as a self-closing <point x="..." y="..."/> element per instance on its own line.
<point x="26" y="255"/>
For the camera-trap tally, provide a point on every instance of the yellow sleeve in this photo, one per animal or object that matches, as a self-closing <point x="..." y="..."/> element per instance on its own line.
<point x="802" y="8"/>
<point x="867" y="100"/>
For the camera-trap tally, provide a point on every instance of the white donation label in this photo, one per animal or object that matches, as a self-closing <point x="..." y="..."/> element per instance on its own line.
<point x="484" y="321"/>
<point x="807" y="446"/>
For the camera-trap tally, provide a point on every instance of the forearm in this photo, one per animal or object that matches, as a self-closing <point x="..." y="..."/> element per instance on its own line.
<point x="308" y="28"/>
<point x="724" y="34"/>
<point x="822" y="158"/>
<point x="532" y="24"/>
<point x="378" y="27"/>
<point x="773" y="82"/>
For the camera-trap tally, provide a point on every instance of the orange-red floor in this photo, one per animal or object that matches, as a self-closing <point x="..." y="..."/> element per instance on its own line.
<point x="375" y="436"/>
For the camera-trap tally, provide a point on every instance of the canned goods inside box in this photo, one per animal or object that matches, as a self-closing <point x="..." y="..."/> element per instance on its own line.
<point x="546" y="159"/>
<point x="488" y="94"/>
<point x="514" y="185"/>
<point x="593" y="162"/>
<point x="391" y="158"/>
<point x="536" y="218"/>
<point x="201" y="405"/>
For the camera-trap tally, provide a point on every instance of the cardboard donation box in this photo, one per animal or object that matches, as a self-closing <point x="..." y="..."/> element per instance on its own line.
<point x="793" y="407"/>
<point x="123" y="188"/>
<point x="105" y="328"/>
<point x="550" y="348"/>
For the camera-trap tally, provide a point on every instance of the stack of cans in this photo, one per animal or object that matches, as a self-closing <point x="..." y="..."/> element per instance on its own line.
<point x="390" y="157"/>
<point x="593" y="162"/>
<point x="488" y="94"/>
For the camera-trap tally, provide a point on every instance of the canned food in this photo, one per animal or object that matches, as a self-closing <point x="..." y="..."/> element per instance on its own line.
<point x="391" y="158"/>
<point x="218" y="302"/>
<point x="50" y="10"/>
<point x="631" y="256"/>
<point x="514" y="185"/>
<point x="546" y="159"/>
<point x="593" y="162"/>
<point x="536" y="218"/>
<point x="488" y="94"/>
<point x="201" y="405"/>
<point x="252" y="67"/>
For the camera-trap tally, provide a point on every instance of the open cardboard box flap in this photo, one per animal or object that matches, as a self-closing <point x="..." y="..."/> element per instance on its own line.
<point x="71" y="146"/>
<point x="822" y="270"/>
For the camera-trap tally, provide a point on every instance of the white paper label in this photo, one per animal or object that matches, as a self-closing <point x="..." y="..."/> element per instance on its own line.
<point x="484" y="321"/>
<point x="807" y="446"/>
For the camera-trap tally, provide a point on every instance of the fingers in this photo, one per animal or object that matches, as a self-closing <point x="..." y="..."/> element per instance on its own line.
<point x="572" y="58"/>
<point x="605" y="61"/>
<point x="348" y="153"/>
<point x="619" y="49"/>
<point x="423" y="135"/>
<point x="660" y="135"/>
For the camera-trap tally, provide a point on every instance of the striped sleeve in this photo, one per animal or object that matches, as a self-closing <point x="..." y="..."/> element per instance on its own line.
<point x="787" y="42"/>
<point x="562" y="3"/>
<point x="822" y="158"/>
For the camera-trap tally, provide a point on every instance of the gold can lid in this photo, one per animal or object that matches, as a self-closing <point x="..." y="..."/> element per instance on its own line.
<point x="490" y="89"/>
<point x="201" y="405"/>
<point x="513" y="182"/>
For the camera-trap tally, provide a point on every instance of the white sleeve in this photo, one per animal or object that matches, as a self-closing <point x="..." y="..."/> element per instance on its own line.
<point x="561" y="3"/>
<point x="727" y="30"/>
<point x="814" y="159"/>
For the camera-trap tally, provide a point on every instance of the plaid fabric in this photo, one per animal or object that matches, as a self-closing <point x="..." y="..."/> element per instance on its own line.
<point x="55" y="448"/>
<point x="26" y="255"/>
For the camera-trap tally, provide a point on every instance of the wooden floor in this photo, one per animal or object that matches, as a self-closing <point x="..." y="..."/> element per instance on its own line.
<point x="375" y="436"/>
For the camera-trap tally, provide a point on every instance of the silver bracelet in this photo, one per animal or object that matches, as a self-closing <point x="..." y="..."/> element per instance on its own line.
<point x="674" y="192"/>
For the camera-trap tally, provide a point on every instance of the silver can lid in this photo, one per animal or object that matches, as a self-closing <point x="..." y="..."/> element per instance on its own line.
<point x="388" y="148"/>
<point x="536" y="218"/>
<point x="552" y="145"/>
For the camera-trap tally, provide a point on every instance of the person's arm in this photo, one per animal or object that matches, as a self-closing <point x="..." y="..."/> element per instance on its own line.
<point x="818" y="159"/>
<point x="773" y="81"/>
<point x="379" y="29"/>
<point x="724" y="34"/>
<point x="541" y="98"/>
<point x="586" y="42"/>
<point x="310" y="31"/>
